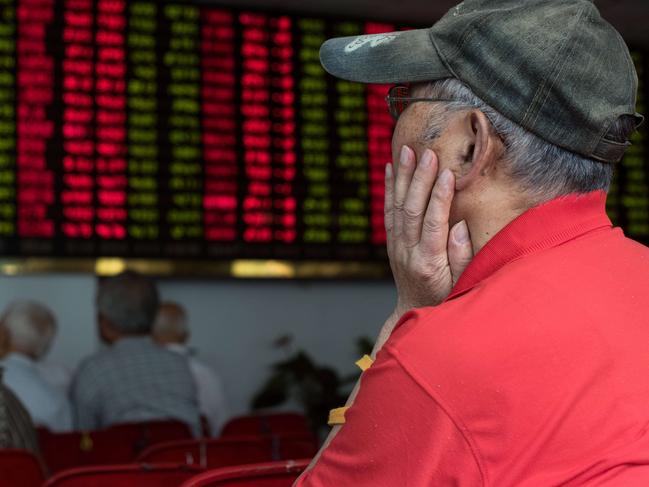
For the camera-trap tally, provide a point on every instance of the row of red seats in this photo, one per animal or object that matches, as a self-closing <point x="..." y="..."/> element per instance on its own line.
<point x="26" y="471"/>
<point x="159" y="449"/>
<point x="234" y="450"/>
<point x="252" y="438"/>
<point x="118" y="444"/>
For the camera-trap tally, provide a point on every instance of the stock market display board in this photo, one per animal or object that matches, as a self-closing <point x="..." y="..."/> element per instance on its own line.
<point x="185" y="132"/>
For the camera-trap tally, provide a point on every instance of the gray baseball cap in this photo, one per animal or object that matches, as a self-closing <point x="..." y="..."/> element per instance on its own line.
<point x="554" y="67"/>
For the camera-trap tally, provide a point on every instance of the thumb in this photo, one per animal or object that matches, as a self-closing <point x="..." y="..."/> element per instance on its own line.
<point x="460" y="250"/>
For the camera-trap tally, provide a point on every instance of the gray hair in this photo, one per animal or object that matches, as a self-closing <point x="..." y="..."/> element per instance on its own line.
<point x="129" y="301"/>
<point x="31" y="327"/>
<point x="171" y="322"/>
<point x="542" y="170"/>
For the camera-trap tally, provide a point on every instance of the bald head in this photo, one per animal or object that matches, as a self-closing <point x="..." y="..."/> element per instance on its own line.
<point x="28" y="328"/>
<point x="171" y="324"/>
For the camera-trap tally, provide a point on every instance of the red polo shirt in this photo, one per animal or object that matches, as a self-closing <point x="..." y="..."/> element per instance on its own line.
<point x="534" y="371"/>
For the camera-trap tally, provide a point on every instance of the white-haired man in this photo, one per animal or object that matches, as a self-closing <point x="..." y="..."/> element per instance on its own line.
<point x="26" y="332"/>
<point x="133" y="379"/>
<point x="171" y="330"/>
<point x="517" y="351"/>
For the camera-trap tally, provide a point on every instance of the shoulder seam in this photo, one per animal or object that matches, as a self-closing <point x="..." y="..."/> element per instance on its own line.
<point x="459" y="425"/>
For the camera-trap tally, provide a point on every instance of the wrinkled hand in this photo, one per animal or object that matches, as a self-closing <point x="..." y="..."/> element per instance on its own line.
<point x="426" y="258"/>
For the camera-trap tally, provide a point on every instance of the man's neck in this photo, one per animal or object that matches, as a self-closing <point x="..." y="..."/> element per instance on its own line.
<point x="131" y="338"/>
<point x="491" y="217"/>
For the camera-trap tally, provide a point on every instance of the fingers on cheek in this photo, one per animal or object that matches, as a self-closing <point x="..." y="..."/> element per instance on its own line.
<point x="444" y="186"/>
<point x="440" y="202"/>
<point x="389" y="178"/>
<point x="389" y="187"/>
<point x="388" y="206"/>
<point x="405" y="168"/>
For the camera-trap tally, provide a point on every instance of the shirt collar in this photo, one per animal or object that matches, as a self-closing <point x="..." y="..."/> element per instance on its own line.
<point x="135" y="341"/>
<point x="539" y="228"/>
<point x="178" y="348"/>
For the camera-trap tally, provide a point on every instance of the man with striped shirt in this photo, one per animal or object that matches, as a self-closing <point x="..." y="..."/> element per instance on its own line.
<point x="133" y="379"/>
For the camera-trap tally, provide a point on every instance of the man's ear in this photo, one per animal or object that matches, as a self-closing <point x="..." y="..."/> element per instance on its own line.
<point x="484" y="149"/>
<point x="107" y="332"/>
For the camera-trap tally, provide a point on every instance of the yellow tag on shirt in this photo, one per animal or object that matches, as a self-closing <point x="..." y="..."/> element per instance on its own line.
<point x="365" y="362"/>
<point x="337" y="416"/>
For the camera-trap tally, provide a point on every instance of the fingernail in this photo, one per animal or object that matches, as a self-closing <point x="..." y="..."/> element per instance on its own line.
<point x="405" y="155"/>
<point x="461" y="233"/>
<point x="388" y="170"/>
<point x="426" y="159"/>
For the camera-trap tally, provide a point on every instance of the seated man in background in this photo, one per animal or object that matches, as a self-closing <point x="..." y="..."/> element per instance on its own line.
<point x="171" y="331"/>
<point x="26" y="332"/>
<point x="133" y="379"/>
<point x="16" y="427"/>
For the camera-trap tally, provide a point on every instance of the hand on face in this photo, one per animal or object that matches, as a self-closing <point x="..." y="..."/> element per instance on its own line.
<point x="425" y="256"/>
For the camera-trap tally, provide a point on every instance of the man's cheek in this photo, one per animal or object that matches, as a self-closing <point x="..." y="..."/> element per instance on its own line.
<point x="398" y="140"/>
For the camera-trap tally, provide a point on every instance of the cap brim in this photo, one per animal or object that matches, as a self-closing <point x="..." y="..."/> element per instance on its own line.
<point x="639" y="120"/>
<point x="394" y="57"/>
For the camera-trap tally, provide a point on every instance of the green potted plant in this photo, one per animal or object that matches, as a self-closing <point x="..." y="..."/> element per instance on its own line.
<point x="317" y="388"/>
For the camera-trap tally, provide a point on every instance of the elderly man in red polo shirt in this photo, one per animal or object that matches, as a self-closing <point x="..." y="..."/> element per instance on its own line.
<point x="517" y="354"/>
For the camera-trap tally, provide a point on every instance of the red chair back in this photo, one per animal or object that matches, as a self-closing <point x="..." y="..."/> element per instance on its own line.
<point x="211" y="453"/>
<point x="266" y="424"/>
<point x="274" y="474"/>
<point x="20" y="467"/>
<point x="143" y="435"/>
<point x="117" y="444"/>
<point x="233" y="450"/>
<point x="290" y="446"/>
<point x="125" y="476"/>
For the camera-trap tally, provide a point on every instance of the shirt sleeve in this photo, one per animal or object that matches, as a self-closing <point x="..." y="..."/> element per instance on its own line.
<point x="211" y="396"/>
<point x="395" y="433"/>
